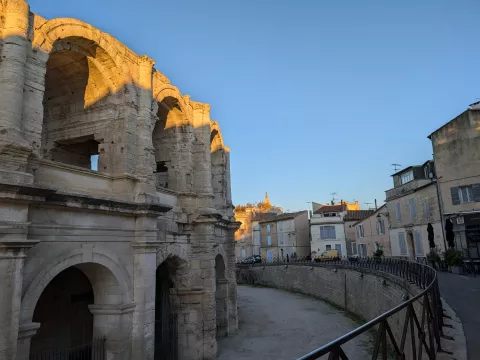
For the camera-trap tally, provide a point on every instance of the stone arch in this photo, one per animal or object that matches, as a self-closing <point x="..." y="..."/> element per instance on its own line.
<point x="76" y="258"/>
<point x="173" y="139"/>
<point x="106" y="48"/>
<point x="111" y="304"/>
<point x="85" y="81"/>
<point x="216" y="138"/>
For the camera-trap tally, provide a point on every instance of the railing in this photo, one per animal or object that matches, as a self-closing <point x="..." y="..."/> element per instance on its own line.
<point x="91" y="351"/>
<point x="423" y="319"/>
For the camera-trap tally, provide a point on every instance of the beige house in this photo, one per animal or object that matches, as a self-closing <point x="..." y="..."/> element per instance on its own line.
<point x="412" y="204"/>
<point x="456" y="151"/>
<point x="285" y="234"/>
<point x="372" y="233"/>
<point x="247" y="237"/>
<point x="137" y="249"/>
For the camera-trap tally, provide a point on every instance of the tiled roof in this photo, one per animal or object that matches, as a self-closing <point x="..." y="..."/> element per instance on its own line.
<point x="284" y="216"/>
<point x="331" y="208"/>
<point x="262" y="216"/>
<point x="355" y="215"/>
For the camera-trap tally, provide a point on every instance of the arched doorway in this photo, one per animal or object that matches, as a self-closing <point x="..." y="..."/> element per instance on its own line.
<point x="171" y="139"/>
<point x="221" y="297"/>
<point x="166" y="338"/>
<point x="66" y="323"/>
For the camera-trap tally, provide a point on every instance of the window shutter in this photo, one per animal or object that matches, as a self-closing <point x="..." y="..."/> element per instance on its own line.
<point x="476" y="192"/>
<point x="455" y="196"/>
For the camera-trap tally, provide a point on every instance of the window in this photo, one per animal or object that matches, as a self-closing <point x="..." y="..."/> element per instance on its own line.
<point x="377" y="246"/>
<point x="360" y="231"/>
<point x="402" y="244"/>
<point x="329" y="214"/>
<point x="398" y="214"/>
<point x="268" y="227"/>
<point x="269" y="240"/>
<point x="327" y="232"/>
<point x="417" y="237"/>
<point x="411" y="203"/>
<point x="406" y="177"/>
<point x="328" y="247"/>
<point x="338" y="247"/>
<point x="244" y="253"/>
<point x="380" y="227"/>
<point x="465" y="194"/>
<point x="426" y="208"/>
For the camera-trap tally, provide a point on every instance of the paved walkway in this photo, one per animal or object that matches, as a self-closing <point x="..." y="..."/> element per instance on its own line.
<point x="278" y="325"/>
<point x="462" y="293"/>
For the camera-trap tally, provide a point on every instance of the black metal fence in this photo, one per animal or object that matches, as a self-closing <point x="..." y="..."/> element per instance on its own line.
<point x="421" y="315"/>
<point x="94" y="350"/>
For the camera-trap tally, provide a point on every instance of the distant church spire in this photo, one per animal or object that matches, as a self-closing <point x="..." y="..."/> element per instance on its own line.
<point x="266" y="201"/>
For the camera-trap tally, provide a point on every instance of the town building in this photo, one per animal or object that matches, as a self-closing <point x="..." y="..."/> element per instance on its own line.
<point x="372" y="233"/>
<point x="285" y="236"/>
<point x="247" y="237"/>
<point x="116" y="215"/>
<point x="331" y="228"/>
<point x="351" y="235"/>
<point x="412" y="205"/>
<point x="456" y="153"/>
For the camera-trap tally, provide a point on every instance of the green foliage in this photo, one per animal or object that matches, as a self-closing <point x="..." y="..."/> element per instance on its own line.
<point x="453" y="257"/>
<point x="378" y="253"/>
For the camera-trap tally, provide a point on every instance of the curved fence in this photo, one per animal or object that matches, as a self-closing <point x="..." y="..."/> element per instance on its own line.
<point x="421" y="316"/>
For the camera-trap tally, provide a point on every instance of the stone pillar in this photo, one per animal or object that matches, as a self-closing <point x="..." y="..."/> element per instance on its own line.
<point x="187" y="305"/>
<point x="145" y="153"/>
<point x="203" y="168"/>
<point x="230" y="274"/>
<point x="12" y="257"/>
<point x="113" y="323"/>
<point x="144" y="280"/>
<point x="25" y="334"/>
<point x="14" y="149"/>
<point x="203" y="247"/>
<point x="222" y="307"/>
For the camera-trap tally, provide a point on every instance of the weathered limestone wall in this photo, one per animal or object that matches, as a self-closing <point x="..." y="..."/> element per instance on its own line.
<point x="69" y="91"/>
<point x="363" y="292"/>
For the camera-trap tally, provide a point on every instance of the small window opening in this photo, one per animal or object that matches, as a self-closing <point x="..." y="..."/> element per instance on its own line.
<point x="81" y="151"/>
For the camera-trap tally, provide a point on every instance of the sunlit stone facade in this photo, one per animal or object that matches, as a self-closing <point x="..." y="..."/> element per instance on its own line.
<point x="135" y="246"/>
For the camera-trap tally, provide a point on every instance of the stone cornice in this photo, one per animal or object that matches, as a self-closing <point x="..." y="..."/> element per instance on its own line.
<point x="141" y="247"/>
<point x="49" y="196"/>
<point x="108" y="309"/>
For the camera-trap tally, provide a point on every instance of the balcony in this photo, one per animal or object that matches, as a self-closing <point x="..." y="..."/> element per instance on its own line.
<point x="74" y="179"/>
<point x="406" y="188"/>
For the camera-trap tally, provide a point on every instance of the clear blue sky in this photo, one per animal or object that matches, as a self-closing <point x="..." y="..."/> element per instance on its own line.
<point x="313" y="97"/>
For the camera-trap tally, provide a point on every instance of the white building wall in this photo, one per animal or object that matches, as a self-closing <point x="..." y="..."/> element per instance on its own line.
<point x="320" y="245"/>
<point x="395" y="242"/>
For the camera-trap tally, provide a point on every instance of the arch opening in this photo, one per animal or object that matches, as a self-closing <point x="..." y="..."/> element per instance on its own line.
<point x="78" y="105"/>
<point x="166" y="322"/>
<point x="63" y="313"/>
<point x="166" y="137"/>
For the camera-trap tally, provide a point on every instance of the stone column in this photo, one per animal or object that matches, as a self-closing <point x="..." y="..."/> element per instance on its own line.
<point x="14" y="149"/>
<point x="113" y="323"/>
<point x="145" y="153"/>
<point x="25" y="334"/>
<point x="203" y="249"/>
<point x="232" y="281"/>
<point x="203" y="168"/>
<point x="144" y="280"/>
<point x="222" y="307"/>
<point x="188" y="307"/>
<point x="12" y="257"/>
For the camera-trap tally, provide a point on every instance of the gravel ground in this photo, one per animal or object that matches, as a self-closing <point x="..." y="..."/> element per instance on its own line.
<point x="279" y="325"/>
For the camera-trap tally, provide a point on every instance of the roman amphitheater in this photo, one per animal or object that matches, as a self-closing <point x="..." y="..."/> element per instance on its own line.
<point x="116" y="215"/>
